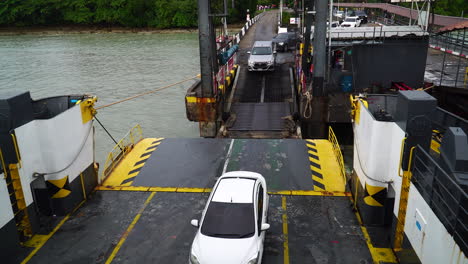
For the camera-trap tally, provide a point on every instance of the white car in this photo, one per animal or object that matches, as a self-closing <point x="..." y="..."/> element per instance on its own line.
<point x="262" y="56"/>
<point x="351" y="22"/>
<point x="233" y="224"/>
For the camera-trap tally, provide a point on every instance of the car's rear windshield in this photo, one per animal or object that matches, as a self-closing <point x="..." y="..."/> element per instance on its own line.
<point x="229" y="220"/>
<point x="350" y="20"/>
<point x="261" y="51"/>
<point x="282" y="36"/>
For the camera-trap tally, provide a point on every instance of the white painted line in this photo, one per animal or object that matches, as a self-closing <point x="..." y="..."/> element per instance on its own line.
<point x="228" y="156"/>
<point x="262" y="96"/>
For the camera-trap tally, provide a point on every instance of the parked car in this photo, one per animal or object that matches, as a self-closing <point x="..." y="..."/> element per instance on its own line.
<point x="351" y="22"/>
<point x="361" y="15"/>
<point x="339" y="14"/>
<point x="334" y="24"/>
<point x="233" y="224"/>
<point x="285" y="41"/>
<point x="262" y="56"/>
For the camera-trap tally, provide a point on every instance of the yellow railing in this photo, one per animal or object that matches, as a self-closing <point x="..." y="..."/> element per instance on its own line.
<point x="337" y="151"/>
<point x="123" y="147"/>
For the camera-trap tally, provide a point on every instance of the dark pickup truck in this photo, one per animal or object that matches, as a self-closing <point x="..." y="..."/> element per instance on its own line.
<point x="285" y="41"/>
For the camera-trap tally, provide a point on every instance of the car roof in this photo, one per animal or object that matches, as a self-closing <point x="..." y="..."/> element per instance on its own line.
<point x="262" y="44"/>
<point x="234" y="190"/>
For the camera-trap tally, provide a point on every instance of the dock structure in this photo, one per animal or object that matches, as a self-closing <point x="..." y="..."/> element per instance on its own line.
<point x="141" y="212"/>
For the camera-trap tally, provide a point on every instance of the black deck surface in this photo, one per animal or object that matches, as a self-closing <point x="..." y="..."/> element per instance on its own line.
<point x="197" y="163"/>
<point x="321" y="230"/>
<point x="324" y="230"/>
<point x="189" y="162"/>
<point x="164" y="233"/>
<point x="92" y="232"/>
<point x="284" y="162"/>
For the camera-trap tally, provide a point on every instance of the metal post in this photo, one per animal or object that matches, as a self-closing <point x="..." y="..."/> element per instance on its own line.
<point x="281" y="12"/>
<point x="411" y="12"/>
<point x="305" y="53"/>
<point x="442" y="71"/>
<point x="459" y="57"/>
<point x="426" y="22"/>
<point x="320" y="40"/>
<point x="206" y="56"/>
<point x="329" y="40"/>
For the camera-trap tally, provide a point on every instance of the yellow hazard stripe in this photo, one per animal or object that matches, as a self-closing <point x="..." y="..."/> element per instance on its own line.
<point x="193" y="99"/>
<point x="129" y="229"/>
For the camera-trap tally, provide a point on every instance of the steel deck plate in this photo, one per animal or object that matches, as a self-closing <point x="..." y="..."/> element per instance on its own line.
<point x="260" y="116"/>
<point x="196" y="163"/>
<point x="128" y="227"/>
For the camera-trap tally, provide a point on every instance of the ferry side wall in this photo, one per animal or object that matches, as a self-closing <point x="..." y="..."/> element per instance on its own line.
<point x="379" y="143"/>
<point x="62" y="144"/>
<point x="61" y="149"/>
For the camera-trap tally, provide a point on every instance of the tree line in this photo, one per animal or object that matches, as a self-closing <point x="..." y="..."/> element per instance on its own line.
<point x="128" y="13"/>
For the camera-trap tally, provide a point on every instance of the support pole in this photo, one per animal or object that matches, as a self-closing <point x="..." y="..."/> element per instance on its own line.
<point x="281" y="12"/>
<point x="206" y="56"/>
<point x="306" y="54"/>
<point x="320" y="39"/>
<point x="459" y="57"/>
<point x="330" y="20"/>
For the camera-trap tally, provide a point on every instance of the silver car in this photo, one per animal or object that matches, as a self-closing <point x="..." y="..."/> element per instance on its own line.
<point x="262" y="56"/>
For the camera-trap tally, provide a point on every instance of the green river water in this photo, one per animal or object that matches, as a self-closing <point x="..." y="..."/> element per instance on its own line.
<point x="111" y="66"/>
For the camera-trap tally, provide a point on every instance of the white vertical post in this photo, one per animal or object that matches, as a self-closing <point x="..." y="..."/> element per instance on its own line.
<point x="281" y="12"/>
<point x="428" y="14"/>
<point x="329" y="40"/>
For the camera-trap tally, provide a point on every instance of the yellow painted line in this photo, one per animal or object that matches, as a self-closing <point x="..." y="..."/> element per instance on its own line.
<point x="330" y="169"/>
<point x="120" y="173"/>
<point x="40" y="241"/>
<point x="152" y="189"/>
<point x="129" y="229"/>
<point x="195" y="190"/>
<point x="378" y="254"/>
<point x="207" y="190"/>
<point x="285" y="231"/>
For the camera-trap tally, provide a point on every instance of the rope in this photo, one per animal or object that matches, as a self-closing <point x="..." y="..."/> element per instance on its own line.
<point x="37" y="174"/>
<point x="148" y="92"/>
<point x="95" y="117"/>
<point x="308" y="106"/>
<point x="362" y="168"/>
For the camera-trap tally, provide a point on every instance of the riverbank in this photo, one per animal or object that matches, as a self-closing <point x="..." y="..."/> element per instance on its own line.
<point x="78" y="29"/>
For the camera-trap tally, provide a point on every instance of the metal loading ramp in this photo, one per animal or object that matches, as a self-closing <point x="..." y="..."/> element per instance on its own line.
<point x="145" y="217"/>
<point x="286" y="164"/>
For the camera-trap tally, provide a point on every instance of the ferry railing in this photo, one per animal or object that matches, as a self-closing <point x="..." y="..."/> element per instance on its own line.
<point x="376" y="33"/>
<point x="442" y="119"/>
<point x="447" y="199"/>
<point x="123" y="147"/>
<point x="337" y="150"/>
